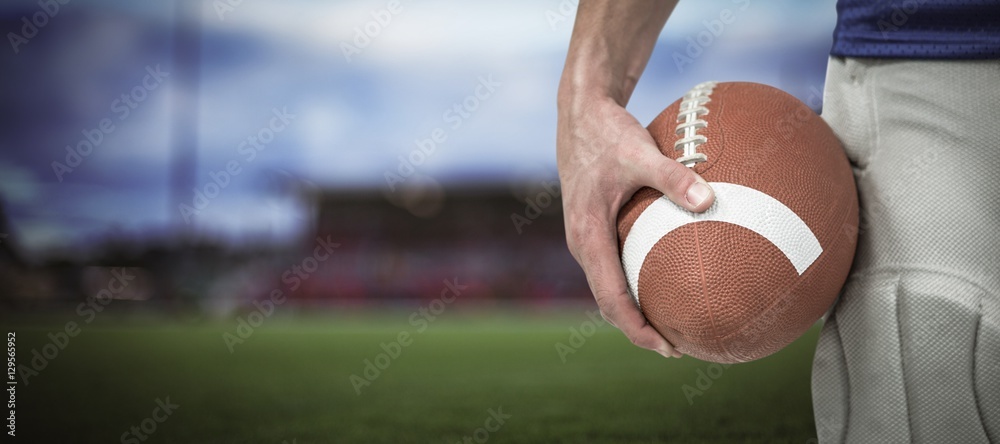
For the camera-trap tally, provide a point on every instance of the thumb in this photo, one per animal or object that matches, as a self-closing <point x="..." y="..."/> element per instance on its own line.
<point x="679" y="183"/>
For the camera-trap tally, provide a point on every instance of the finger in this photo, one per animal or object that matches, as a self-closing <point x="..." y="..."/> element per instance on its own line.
<point x="599" y="257"/>
<point x="679" y="183"/>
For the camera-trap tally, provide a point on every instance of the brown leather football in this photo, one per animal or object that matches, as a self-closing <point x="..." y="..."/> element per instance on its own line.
<point x="752" y="273"/>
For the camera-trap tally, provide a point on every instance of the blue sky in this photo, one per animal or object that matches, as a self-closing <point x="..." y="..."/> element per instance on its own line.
<point x="352" y="119"/>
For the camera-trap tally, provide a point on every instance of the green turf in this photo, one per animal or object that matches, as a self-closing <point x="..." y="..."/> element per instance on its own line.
<point x="289" y="382"/>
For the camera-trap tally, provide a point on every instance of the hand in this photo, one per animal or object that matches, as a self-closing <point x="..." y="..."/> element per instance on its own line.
<point x="604" y="156"/>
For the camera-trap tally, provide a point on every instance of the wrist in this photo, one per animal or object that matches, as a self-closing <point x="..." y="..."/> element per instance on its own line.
<point x="592" y="71"/>
<point x="593" y="79"/>
<point x="580" y="95"/>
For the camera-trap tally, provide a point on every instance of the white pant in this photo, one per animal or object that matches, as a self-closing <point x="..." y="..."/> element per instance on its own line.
<point x="911" y="352"/>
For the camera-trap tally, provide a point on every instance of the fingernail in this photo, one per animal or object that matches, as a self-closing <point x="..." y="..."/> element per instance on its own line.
<point x="664" y="353"/>
<point x="697" y="193"/>
<point x="678" y="354"/>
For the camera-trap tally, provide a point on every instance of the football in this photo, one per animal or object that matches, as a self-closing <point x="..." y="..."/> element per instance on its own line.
<point x="756" y="270"/>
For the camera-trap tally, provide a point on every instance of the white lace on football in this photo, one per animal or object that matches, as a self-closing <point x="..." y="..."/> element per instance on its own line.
<point x="690" y="121"/>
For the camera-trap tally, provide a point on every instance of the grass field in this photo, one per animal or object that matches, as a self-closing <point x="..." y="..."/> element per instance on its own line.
<point x="290" y="382"/>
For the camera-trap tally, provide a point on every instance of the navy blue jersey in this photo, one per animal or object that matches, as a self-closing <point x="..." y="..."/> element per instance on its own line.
<point x="918" y="29"/>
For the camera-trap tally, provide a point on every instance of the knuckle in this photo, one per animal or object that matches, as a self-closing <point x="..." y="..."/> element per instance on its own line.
<point x="570" y="244"/>
<point x="636" y="339"/>
<point x="676" y="178"/>
<point x="607" y="318"/>
<point x="584" y="229"/>
<point x="576" y="235"/>
<point x="605" y="314"/>
<point x="644" y="342"/>
<point x="608" y="310"/>
<point x="632" y="156"/>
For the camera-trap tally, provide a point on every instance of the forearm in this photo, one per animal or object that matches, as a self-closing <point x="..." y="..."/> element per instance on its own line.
<point x="611" y="44"/>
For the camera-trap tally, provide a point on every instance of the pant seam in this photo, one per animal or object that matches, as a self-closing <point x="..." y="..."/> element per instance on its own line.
<point x="902" y="359"/>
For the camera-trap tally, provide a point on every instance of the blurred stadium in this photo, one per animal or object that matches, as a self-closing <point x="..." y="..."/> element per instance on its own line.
<point x="240" y="206"/>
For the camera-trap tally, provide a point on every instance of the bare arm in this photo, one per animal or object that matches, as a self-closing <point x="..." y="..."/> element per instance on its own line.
<point x="611" y="43"/>
<point x="605" y="154"/>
